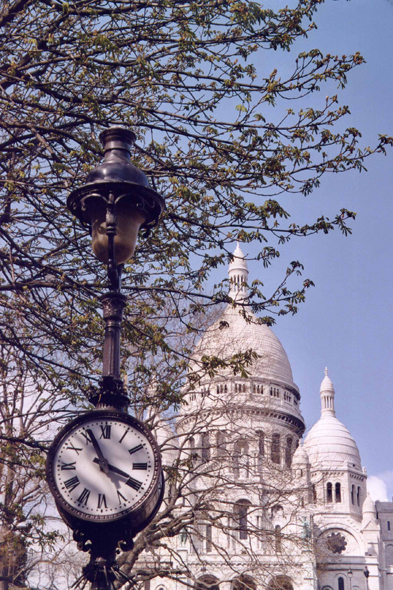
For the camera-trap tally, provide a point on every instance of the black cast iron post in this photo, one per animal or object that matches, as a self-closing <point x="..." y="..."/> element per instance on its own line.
<point x="114" y="188"/>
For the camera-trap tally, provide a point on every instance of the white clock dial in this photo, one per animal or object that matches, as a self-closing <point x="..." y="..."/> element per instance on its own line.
<point x="104" y="467"/>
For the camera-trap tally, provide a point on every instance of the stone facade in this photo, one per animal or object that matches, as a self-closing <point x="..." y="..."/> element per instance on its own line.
<point x="261" y="508"/>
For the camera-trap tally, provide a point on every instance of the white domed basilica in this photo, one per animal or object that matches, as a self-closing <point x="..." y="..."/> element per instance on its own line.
<point x="255" y="505"/>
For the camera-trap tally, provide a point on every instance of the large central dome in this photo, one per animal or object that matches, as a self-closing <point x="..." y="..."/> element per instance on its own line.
<point x="232" y="334"/>
<point x="265" y="389"/>
<point x="240" y="335"/>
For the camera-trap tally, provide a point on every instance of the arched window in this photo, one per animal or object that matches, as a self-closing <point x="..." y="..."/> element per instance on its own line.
<point x="241" y="512"/>
<point x="209" y="545"/>
<point x="341" y="583"/>
<point x="314" y="493"/>
<point x="338" y="492"/>
<point x="388" y="525"/>
<point x="261" y="449"/>
<point x="329" y="493"/>
<point x="241" y="460"/>
<point x="220" y="443"/>
<point x="280" y="583"/>
<point x="236" y="462"/>
<point x="225" y="389"/>
<point x="243" y="583"/>
<point x="205" y="447"/>
<point x="275" y="450"/>
<point x="207" y="582"/>
<point x="353" y="494"/>
<point x="193" y="453"/>
<point x="389" y="555"/>
<point x="288" y="451"/>
<point x="277" y="538"/>
<point x="358" y="496"/>
<point x="277" y="519"/>
<point x="218" y="389"/>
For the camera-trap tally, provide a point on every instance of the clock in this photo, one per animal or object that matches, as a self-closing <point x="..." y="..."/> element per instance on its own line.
<point x="102" y="467"/>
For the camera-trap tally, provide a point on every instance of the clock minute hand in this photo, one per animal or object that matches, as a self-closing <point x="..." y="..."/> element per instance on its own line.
<point x="103" y="463"/>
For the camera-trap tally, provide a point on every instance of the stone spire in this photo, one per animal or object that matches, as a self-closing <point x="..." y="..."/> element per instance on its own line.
<point x="238" y="275"/>
<point x="327" y="396"/>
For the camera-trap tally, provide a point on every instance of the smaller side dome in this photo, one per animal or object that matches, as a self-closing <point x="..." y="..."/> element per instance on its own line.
<point x="300" y="456"/>
<point x="329" y="444"/>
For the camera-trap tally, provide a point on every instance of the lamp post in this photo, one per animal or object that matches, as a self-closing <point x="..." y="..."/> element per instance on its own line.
<point x="104" y="467"/>
<point x="115" y="203"/>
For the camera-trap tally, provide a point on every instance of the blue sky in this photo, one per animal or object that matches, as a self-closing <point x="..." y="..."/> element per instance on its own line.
<point x="346" y="323"/>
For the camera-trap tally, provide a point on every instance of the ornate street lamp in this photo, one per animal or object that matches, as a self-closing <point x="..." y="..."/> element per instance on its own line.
<point x="104" y="467"/>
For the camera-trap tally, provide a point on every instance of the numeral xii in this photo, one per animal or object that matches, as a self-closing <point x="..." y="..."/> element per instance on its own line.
<point x="105" y="431"/>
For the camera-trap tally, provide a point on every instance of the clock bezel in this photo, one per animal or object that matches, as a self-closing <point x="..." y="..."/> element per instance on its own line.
<point x="151" y="495"/>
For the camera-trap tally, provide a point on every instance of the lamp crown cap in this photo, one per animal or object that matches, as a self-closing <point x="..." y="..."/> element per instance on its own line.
<point x="117" y="137"/>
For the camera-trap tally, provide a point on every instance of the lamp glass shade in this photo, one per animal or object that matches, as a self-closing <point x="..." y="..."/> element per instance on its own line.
<point x="129" y="221"/>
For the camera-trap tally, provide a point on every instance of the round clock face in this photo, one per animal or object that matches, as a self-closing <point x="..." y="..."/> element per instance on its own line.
<point x="103" y="465"/>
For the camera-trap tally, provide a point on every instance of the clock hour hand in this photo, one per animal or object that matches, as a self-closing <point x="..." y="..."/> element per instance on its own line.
<point x="133" y="483"/>
<point x="103" y="463"/>
<point x="113" y="468"/>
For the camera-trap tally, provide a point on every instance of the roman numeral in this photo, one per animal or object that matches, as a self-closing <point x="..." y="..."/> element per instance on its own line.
<point x="121" y="440"/>
<point x="139" y="466"/>
<point x="83" y="498"/>
<point x="133" y="483"/>
<point x="135" y="449"/>
<point x="105" y="431"/>
<point x="72" y="483"/>
<point x="68" y="466"/>
<point x="121" y="497"/>
<point x="87" y="437"/>
<point x="72" y="448"/>
<point x="102" y="501"/>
